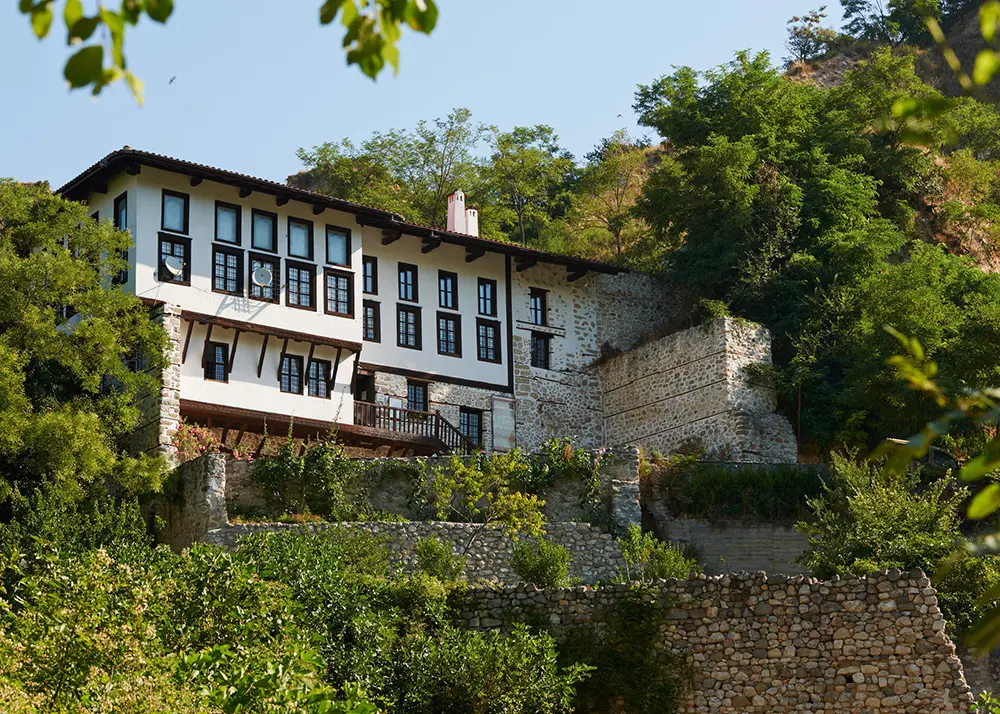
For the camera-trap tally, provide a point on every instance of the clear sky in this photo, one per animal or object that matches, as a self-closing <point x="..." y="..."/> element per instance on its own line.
<point x="256" y="79"/>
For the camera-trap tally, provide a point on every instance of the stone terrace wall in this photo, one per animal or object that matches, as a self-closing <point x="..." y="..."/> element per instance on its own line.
<point x="695" y="385"/>
<point x="760" y="644"/>
<point x="732" y="545"/>
<point x="197" y="503"/>
<point x="594" y="556"/>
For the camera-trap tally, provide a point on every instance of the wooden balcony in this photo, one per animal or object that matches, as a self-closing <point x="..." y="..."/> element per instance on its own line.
<point x="412" y="425"/>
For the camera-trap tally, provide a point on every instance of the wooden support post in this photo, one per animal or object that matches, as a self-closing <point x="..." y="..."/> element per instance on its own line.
<point x="333" y="373"/>
<point x="187" y="341"/>
<point x="204" y="349"/>
<point x="263" y="351"/>
<point x="281" y="359"/>
<point x="232" y="352"/>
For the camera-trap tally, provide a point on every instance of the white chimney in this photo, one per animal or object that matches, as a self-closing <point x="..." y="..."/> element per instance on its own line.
<point x="456" y="213"/>
<point x="472" y="221"/>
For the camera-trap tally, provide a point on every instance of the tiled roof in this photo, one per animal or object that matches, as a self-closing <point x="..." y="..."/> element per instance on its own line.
<point x="126" y="157"/>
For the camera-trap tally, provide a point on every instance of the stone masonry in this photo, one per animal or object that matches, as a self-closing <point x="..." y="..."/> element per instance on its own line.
<point x="760" y="644"/>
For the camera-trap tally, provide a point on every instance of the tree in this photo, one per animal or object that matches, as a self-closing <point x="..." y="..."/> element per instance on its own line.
<point x="371" y="30"/>
<point x="807" y="38"/>
<point x="526" y="172"/>
<point x="68" y="392"/>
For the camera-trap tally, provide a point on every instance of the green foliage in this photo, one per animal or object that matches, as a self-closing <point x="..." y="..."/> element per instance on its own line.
<point x="648" y="558"/>
<point x="541" y="562"/>
<point x="807" y="38"/>
<point x="986" y="704"/>
<point x="66" y="393"/>
<point x="629" y="666"/>
<point x="870" y="518"/>
<point x="436" y="558"/>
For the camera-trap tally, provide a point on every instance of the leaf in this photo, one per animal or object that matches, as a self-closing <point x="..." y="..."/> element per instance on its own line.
<point x="989" y="18"/>
<point x="328" y="12"/>
<point x="985" y="502"/>
<point x="72" y="13"/>
<point x="85" y="67"/>
<point x="41" y="20"/>
<point x="987" y="64"/>
<point x="159" y="10"/>
<point x="83" y="29"/>
<point x="422" y="19"/>
<point x="116" y="26"/>
<point x="135" y="86"/>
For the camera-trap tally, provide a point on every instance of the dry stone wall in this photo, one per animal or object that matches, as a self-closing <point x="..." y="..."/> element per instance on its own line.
<point x="760" y="644"/>
<point x="594" y="556"/>
<point x="722" y="546"/>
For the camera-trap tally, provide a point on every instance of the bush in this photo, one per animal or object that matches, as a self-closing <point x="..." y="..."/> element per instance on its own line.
<point x="543" y="562"/>
<point x="647" y="558"/>
<point x="437" y="559"/>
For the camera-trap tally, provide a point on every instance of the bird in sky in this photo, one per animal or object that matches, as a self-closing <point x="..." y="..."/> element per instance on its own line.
<point x="174" y="79"/>
<point x="619" y="115"/>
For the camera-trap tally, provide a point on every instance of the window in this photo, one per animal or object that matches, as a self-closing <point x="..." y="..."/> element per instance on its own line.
<point x="537" y="307"/>
<point x="121" y="223"/>
<point x="319" y="378"/>
<point x="488" y="297"/>
<point x="263" y="229"/>
<point x="265" y="264"/>
<point x="175" y="212"/>
<point x="299" y="283"/>
<point x="179" y="248"/>
<point x="449" y="334"/>
<point x="369" y="271"/>
<point x="217" y="362"/>
<point x="339" y="293"/>
<point x="416" y="396"/>
<point x="291" y="374"/>
<point x="408" y="332"/>
<point x="448" y="289"/>
<point x="300" y="238"/>
<point x="540" y="349"/>
<point x="228" y="224"/>
<point x="338" y="246"/>
<point x="408" y="282"/>
<point x="470" y="424"/>
<point x="371" y="324"/>
<point x="488" y="340"/>
<point x="227" y="270"/>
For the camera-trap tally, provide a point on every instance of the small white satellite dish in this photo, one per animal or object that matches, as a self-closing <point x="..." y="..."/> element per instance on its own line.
<point x="262" y="277"/>
<point x="174" y="265"/>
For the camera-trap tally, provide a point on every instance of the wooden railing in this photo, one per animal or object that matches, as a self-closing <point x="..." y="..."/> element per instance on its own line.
<point x="411" y="421"/>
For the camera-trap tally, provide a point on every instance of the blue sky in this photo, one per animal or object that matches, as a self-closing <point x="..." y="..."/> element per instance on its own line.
<point x="256" y="79"/>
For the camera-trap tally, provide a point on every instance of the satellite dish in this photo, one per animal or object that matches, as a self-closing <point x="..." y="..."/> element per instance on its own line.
<point x="174" y="265"/>
<point x="262" y="277"/>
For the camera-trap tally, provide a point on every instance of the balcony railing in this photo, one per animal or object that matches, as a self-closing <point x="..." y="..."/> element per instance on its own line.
<point x="410" y="421"/>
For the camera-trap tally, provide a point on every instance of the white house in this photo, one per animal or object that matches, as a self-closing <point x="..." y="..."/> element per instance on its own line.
<point x="290" y="307"/>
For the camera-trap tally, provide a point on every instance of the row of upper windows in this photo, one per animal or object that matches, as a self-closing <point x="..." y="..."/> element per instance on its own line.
<point x="317" y="380"/>
<point x="409" y="331"/>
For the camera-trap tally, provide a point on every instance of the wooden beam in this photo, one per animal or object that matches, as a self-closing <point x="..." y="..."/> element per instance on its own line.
<point x="354" y="373"/>
<point x="204" y="349"/>
<point x="187" y="341"/>
<point x="522" y="264"/>
<point x="133" y="169"/>
<point x="472" y="254"/>
<point x="225" y="433"/>
<point x="196" y="181"/>
<point x="390" y="236"/>
<point x="574" y="274"/>
<point x="309" y="359"/>
<point x="239" y="435"/>
<point x="263" y="351"/>
<point x="430" y="244"/>
<point x="281" y="360"/>
<point x="318" y="209"/>
<point x="101" y="188"/>
<point x="244" y="192"/>
<point x="333" y="372"/>
<point x="281" y="200"/>
<point x="232" y="352"/>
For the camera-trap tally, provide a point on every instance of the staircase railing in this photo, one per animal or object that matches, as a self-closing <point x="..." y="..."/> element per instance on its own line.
<point x="411" y="421"/>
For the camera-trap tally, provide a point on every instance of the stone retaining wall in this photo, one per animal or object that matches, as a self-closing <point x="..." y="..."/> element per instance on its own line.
<point x="726" y="546"/>
<point x="594" y="556"/>
<point x="765" y="644"/>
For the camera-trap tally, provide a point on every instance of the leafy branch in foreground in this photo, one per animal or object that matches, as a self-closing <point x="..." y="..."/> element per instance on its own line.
<point x="371" y="30"/>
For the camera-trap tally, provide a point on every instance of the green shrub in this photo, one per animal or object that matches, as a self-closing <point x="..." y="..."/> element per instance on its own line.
<point x="437" y="559"/>
<point x="648" y="558"/>
<point x="541" y="562"/>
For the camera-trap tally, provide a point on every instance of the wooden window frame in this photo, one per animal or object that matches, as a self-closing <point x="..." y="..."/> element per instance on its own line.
<point x="497" y="346"/>
<point x="239" y="222"/>
<point x="311" y="268"/>
<point x="453" y="277"/>
<point x="376" y="307"/>
<point x="303" y="378"/>
<point x="493" y="296"/>
<point x="323" y="376"/>
<point x="121" y="278"/>
<point x="468" y="411"/>
<point x="350" y="292"/>
<point x="311" y="240"/>
<point x="543" y="295"/>
<point x="223" y="250"/>
<point x="173" y="238"/>
<point x="275" y="264"/>
<point x="254" y="212"/>
<point x="423" y="386"/>
<point x="416" y="278"/>
<point x="418" y="328"/>
<point x="349" y="244"/>
<point x="187" y="211"/>
<point x="547" y="339"/>
<point x="210" y="348"/>
<point x="371" y="260"/>
<point x="457" y="320"/>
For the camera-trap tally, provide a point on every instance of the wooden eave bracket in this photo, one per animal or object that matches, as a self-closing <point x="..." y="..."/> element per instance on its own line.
<point x="523" y="264"/>
<point x="390" y="235"/>
<point x="472" y="254"/>
<point x="574" y="274"/>
<point x="430" y="244"/>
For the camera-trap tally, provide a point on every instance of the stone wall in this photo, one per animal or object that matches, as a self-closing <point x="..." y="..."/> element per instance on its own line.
<point x="631" y="307"/>
<point x="697" y="386"/>
<point x="765" y="644"/>
<point x="594" y="556"/>
<point x="727" y="546"/>
<point x="194" y="502"/>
